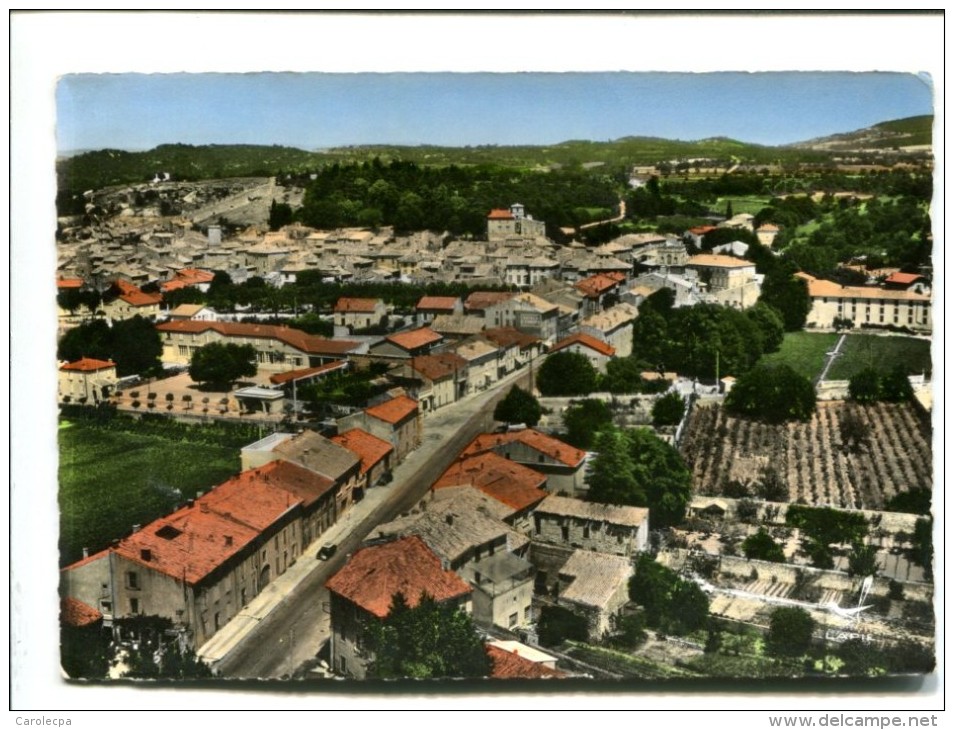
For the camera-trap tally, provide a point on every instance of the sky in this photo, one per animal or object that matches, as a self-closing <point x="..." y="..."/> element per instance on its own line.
<point x="315" y="110"/>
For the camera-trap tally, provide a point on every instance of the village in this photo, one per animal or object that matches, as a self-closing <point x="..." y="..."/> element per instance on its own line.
<point x="510" y="529"/>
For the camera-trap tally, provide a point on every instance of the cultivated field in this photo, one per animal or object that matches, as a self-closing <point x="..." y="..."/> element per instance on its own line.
<point x="812" y="462"/>
<point x="110" y="480"/>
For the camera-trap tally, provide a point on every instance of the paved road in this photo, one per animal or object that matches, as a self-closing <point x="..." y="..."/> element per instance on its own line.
<point x="293" y="631"/>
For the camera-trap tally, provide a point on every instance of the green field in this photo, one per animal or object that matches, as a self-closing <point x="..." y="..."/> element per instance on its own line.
<point x="803" y="351"/>
<point x="882" y="354"/>
<point x="749" y="204"/>
<point x="111" y="480"/>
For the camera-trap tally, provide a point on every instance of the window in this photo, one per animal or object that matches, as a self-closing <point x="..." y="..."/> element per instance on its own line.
<point x="133" y="605"/>
<point x="512" y="621"/>
<point x="526" y="614"/>
<point x="586" y="532"/>
<point x="566" y="532"/>
<point x="132" y="580"/>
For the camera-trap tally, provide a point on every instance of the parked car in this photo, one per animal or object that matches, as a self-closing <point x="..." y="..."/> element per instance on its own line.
<point x="327" y="551"/>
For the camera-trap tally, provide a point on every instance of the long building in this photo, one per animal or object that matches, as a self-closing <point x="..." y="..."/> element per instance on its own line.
<point x="867" y="306"/>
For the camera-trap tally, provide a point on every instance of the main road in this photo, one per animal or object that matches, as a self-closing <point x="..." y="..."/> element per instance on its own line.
<point x="292" y="632"/>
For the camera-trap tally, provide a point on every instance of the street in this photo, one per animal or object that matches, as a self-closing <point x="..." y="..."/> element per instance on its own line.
<point x="292" y="632"/>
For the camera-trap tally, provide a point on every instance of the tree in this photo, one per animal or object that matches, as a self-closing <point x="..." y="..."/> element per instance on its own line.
<point x="770" y="324"/>
<point x="862" y="560"/>
<point x="854" y="430"/>
<point x="430" y="640"/>
<point x="566" y="373"/>
<point x="155" y="655"/>
<point x="279" y="215"/>
<point x="635" y="467"/>
<point x="584" y="420"/>
<point x="518" y="406"/>
<point x="558" y="624"/>
<point x="865" y="386"/>
<point x="688" y="608"/>
<point x="772" y="393"/>
<point x="668" y="410"/>
<point x="788" y="294"/>
<point x="133" y="344"/>
<point x="895" y="385"/>
<point x="85" y="652"/>
<point x="219" y="364"/>
<point x="90" y="339"/>
<point x="790" y="632"/>
<point x="761" y="546"/>
<point x="671" y="603"/>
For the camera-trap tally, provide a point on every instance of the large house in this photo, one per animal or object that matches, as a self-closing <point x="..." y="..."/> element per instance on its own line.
<point x="503" y="223"/>
<point x="596" y="351"/>
<point x="363" y="591"/>
<point x="397" y="421"/>
<point x="618" y="530"/>
<point x="729" y="281"/>
<point x="200" y="565"/>
<point x="356" y="314"/>
<point x="867" y="306"/>
<point x="87" y="380"/>
<point x="276" y="348"/>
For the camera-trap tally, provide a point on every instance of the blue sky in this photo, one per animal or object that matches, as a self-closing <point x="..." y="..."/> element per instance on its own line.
<point x="309" y="110"/>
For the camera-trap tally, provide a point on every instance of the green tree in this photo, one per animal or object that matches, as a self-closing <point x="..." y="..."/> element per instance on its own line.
<point x="668" y="410"/>
<point x="770" y="325"/>
<point x="90" y="339"/>
<point x="635" y="467"/>
<point x="566" y="373"/>
<point x="922" y="549"/>
<point x="136" y="347"/>
<point x="772" y="393"/>
<point x="85" y="652"/>
<point x="220" y="364"/>
<point x="862" y="560"/>
<point x="761" y="546"/>
<point x="558" y="624"/>
<point x="154" y="655"/>
<point x="584" y="420"/>
<point x="865" y="386"/>
<point x="518" y="406"/>
<point x="430" y="640"/>
<point x="671" y="603"/>
<point x="790" y="632"/>
<point x="895" y="386"/>
<point x="788" y="294"/>
<point x="279" y="215"/>
<point x="688" y="608"/>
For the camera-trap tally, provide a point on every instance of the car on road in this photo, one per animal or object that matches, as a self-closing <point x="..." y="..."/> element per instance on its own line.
<point x="327" y="551"/>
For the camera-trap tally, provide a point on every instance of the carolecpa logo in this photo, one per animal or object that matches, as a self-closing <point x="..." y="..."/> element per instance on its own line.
<point x="45" y="721"/>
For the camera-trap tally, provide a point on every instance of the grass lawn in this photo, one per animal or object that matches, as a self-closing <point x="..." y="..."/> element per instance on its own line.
<point x="882" y="353"/>
<point x="111" y="480"/>
<point x="742" y="204"/>
<point x="804" y="351"/>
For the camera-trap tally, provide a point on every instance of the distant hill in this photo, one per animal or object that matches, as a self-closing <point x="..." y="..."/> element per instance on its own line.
<point x="896" y="134"/>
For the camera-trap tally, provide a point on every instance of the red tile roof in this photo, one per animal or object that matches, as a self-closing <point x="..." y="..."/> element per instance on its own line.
<point x="587" y="341"/>
<point x="541" y="442"/>
<point x="480" y="300"/>
<point x="437" y="304"/>
<point x="509" y="336"/>
<point x="825" y="288"/>
<point x="370" y="449"/>
<point x="701" y="230"/>
<point x="302" y="341"/>
<point x="904" y="279"/>
<point x="395" y="410"/>
<point x="349" y="304"/>
<point x="598" y="284"/>
<point x="89" y="364"/>
<point x="195" y="276"/>
<point x="303" y="373"/>
<point x="510" y="665"/>
<point x="69" y="283"/>
<point x="514" y="485"/>
<point x="438" y="367"/>
<point x="415" y="339"/>
<point x="78" y="614"/>
<point x="305" y="484"/>
<point x="374" y="574"/>
<point x="133" y="295"/>
<point x="172" y="285"/>
<point x="718" y="261"/>
<point x="500" y="214"/>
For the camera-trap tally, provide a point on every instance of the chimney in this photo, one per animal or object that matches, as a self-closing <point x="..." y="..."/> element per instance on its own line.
<point x="145" y="554"/>
<point x="136" y="528"/>
<point x="199" y="493"/>
<point x="85" y="552"/>
<point x="190" y="503"/>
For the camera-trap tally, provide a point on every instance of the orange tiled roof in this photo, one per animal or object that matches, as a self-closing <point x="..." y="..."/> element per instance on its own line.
<point x="437" y="304"/>
<point x="290" y="375"/>
<point x="439" y="366"/>
<point x="78" y="614"/>
<point x="141" y="299"/>
<point x="395" y="410"/>
<point x="587" y="341"/>
<point x="541" y="442"/>
<point x="195" y="276"/>
<point x="510" y="665"/>
<point x="88" y="365"/>
<point x="825" y="288"/>
<point x="374" y="574"/>
<point x="514" y="485"/>
<point x="509" y="336"/>
<point x="370" y="449"/>
<point x="172" y="285"/>
<point x="718" y="260"/>
<point x="500" y="214"/>
<point x="482" y="299"/>
<point x="313" y="344"/>
<point x="701" y="230"/>
<point x="69" y="283"/>
<point x="904" y="279"/>
<point x="350" y="304"/>
<point x="594" y="286"/>
<point x="414" y="339"/>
